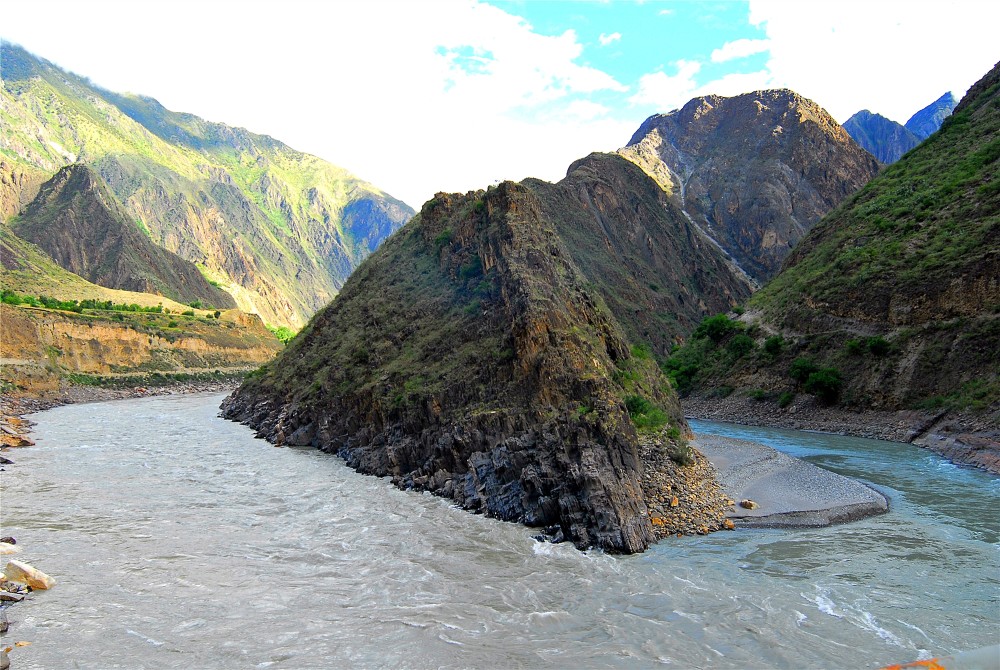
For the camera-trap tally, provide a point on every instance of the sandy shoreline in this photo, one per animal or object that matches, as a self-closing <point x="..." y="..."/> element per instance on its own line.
<point x="789" y="492"/>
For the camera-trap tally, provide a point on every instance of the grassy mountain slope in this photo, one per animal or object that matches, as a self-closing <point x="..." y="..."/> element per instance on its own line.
<point x="77" y="221"/>
<point x="893" y="300"/>
<point x="279" y="229"/>
<point x="472" y="356"/>
<point x="753" y="172"/>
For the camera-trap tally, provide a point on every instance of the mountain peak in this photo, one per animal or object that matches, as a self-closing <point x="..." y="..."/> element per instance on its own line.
<point x="753" y="171"/>
<point x="926" y="122"/>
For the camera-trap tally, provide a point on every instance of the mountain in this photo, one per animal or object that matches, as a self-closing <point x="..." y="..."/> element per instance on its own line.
<point x="883" y="138"/>
<point x="892" y="301"/>
<point x="926" y="122"/>
<point x="278" y="229"/>
<point x="649" y="265"/>
<point x="78" y="223"/>
<point x="753" y="172"/>
<point x="494" y="351"/>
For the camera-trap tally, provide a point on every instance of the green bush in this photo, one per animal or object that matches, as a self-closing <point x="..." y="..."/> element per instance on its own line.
<point x="740" y="345"/>
<point x="773" y="345"/>
<point x="716" y="328"/>
<point x="878" y="345"/>
<point x="801" y="368"/>
<point x="854" y="347"/>
<point x="785" y="399"/>
<point x="644" y="414"/>
<point x="825" y="384"/>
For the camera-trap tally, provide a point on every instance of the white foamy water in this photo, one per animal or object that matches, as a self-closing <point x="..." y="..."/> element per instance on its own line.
<point x="180" y="541"/>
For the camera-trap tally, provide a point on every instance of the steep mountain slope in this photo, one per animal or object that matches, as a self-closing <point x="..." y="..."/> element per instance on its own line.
<point x="278" y="229"/>
<point x="883" y="138"/>
<point x="754" y="172"/>
<point x="77" y="222"/>
<point x="926" y="122"/>
<point x="473" y="356"/>
<point x="893" y="300"/>
<point x="655" y="273"/>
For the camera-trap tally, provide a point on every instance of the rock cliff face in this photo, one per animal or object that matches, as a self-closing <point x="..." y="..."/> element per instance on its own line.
<point x="77" y="221"/>
<point x="897" y="292"/>
<point x="278" y="229"/>
<point x="927" y="121"/>
<point x="883" y="138"/>
<point x="754" y="172"/>
<point x="470" y="356"/>
<point x="653" y="270"/>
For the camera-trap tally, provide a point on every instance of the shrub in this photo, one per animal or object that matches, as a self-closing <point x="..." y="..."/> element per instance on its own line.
<point x="681" y="453"/>
<point x="773" y="345"/>
<point x="195" y="303"/>
<point x="785" y="399"/>
<point x="716" y="328"/>
<point x="854" y="347"/>
<point x="741" y="345"/>
<point x="189" y="312"/>
<point x="641" y="352"/>
<point x="644" y="414"/>
<point x="825" y="384"/>
<point x="758" y="394"/>
<point x="878" y="345"/>
<point x="801" y="368"/>
<point x="172" y="324"/>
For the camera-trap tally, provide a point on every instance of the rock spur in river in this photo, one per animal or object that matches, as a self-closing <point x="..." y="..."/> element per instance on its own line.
<point x="470" y="357"/>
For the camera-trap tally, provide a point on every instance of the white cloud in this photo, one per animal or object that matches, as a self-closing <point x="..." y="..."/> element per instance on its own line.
<point x="739" y="49"/>
<point x="667" y="92"/>
<point x="891" y="57"/>
<point x="605" y="40"/>
<point x="665" y="12"/>
<point x="415" y="97"/>
<point x="586" y="110"/>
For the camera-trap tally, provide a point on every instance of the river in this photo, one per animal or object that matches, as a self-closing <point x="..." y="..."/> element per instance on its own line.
<point x="180" y="541"/>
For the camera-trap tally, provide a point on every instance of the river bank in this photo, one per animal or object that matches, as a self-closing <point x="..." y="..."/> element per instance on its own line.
<point x="962" y="438"/>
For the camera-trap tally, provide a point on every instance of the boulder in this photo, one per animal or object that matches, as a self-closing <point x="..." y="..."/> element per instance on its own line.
<point x="17" y="571"/>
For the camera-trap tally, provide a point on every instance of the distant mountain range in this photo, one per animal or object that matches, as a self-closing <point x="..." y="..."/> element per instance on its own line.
<point x="276" y="229"/>
<point x="753" y="172"/>
<point x="887" y="140"/>
<point x="79" y="224"/>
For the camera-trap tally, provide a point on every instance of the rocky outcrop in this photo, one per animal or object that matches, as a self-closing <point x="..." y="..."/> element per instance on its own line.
<point x="76" y="221"/>
<point x="278" y="229"/>
<point x="883" y="138"/>
<point x="754" y="172"/>
<point x="471" y="357"/>
<point x="926" y="122"/>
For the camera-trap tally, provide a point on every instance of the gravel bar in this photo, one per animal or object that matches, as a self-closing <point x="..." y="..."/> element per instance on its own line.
<point x="789" y="492"/>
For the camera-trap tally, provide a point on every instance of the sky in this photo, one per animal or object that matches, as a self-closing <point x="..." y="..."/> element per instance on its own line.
<point x="419" y="97"/>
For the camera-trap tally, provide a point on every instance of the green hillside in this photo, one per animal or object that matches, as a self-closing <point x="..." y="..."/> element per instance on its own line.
<point x="278" y="229"/>
<point x="893" y="300"/>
